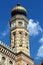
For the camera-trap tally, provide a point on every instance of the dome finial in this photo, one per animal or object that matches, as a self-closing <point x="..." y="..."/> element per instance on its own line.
<point x="18" y="4"/>
<point x="18" y="9"/>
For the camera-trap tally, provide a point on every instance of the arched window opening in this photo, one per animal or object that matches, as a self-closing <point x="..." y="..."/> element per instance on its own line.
<point x="20" y="32"/>
<point x="27" y="64"/>
<point x="20" y="23"/>
<point x="20" y="38"/>
<point x="11" y="63"/>
<point x="14" y="33"/>
<point x="26" y="34"/>
<point x="27" y="47"/>
<point x="3" y="59"/>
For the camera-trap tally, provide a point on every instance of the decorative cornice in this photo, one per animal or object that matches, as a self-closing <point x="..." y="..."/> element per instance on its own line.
<point x="25" y="55"/>
<point x="22" y="56"/>
<point x="7" y="50"/>
<point x="19" y="28"/>
<point x="21" y="17"/>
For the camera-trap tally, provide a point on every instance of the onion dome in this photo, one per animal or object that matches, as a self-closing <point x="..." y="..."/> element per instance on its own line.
<point x="18" y="10"/>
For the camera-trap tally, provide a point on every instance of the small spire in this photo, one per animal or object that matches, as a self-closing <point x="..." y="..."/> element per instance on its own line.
<point x="18" y="4"/>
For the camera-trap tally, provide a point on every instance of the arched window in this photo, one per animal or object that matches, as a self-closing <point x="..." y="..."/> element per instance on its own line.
<point x="20" y="38"/>
<point x="27" y="47"/>
<point x="20" y="23"/>
<point x="10" y="62"/>
<point x="3" y="59"/>
<point x="26" y="34"/>
<point x="27" y="64"/>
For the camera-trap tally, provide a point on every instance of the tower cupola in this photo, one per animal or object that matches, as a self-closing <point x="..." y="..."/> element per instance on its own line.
<point x="18" y="9"/>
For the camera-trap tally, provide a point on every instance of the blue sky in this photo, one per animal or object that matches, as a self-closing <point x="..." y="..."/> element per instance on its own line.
<point x="35" y="26"/>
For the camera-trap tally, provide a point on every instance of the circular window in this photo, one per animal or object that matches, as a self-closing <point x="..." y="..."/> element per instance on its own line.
<point x="3" y="59"/>
<point x="10" y="62"/>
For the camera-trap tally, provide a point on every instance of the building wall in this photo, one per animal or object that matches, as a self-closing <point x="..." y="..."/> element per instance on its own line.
<point x="5" y="60"/>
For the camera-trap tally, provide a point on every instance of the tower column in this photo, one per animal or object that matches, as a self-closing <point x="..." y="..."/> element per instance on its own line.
<point x="19" y="32"/>
<point x="19" y="36"/>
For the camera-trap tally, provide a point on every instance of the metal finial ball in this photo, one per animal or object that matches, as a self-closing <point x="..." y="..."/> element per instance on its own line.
<point x="18" y="4"/>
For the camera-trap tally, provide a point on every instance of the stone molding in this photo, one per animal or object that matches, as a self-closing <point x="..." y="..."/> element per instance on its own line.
<point x="22" y="56"/>
<point x="7" y="50"/>
<point x="17" y="17"/>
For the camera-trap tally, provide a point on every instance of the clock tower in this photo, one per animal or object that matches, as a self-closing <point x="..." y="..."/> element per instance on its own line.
<point x="19" y="35"/>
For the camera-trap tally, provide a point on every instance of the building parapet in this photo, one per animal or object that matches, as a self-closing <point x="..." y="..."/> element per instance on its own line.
<point x="7" y="50"/>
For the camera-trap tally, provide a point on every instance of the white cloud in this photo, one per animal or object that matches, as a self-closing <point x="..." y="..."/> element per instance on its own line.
<point x="40" y="52"/>
<point x="41" y="40"/>
<point x="6" y="31"/>
<point x="34" y="28"/>
<point x="36" y="58"/>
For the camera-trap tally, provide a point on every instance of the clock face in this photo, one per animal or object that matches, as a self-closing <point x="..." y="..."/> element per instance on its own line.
<point x="12" y="25"/>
